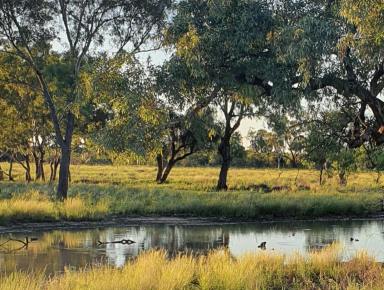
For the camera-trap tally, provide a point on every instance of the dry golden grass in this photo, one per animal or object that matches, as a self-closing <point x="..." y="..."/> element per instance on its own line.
<point x="218" y="270"/>
<point x="98" y="191"/>
<point x="204" y="178"/>
<point x="35" y="206"/>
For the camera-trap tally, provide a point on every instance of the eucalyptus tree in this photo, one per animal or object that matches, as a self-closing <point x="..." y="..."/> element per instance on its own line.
<point x="234" y="108"/>
<point x="327" y="138"/>
<point x="29" y="30"/>
<point x="166" y="120"/>
<point x="19" y="89"/>
<point x="337" y="47"/>
<point x="15" y="137"/>
<point x="184" y="139"/>
<point x="227" y="44"/>
<point x="262" y="141"/>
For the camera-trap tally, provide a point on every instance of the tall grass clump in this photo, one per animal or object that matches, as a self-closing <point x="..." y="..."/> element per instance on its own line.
<point x="31" y="205"/>
<point x="75" y="208"/>
<point x="218" y="270"/>
<point x="35" y="206"/>
<point x="16" y="281"/>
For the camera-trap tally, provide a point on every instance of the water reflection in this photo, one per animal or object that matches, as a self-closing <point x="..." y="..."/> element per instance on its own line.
<point x="55" y="250"/>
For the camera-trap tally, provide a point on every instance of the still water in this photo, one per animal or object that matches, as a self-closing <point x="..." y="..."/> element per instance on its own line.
<point x="55" y="250"/>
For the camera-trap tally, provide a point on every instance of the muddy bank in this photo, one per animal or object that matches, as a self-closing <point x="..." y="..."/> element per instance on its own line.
<point x="24" y="227"/>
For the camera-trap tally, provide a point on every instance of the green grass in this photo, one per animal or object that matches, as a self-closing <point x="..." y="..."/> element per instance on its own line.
<point x="218" y="270"/>
<point x="102" y="191"/>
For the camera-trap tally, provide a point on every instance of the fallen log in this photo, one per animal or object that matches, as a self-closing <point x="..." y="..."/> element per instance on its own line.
<point x="24" y="243"/>
<point x="123" y="241"/>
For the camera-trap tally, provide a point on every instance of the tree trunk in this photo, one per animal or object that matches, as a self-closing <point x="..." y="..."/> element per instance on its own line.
<point x="10" y="177"/>
<point x="160" y="165"/>
<point x="225" y="152"/>
<point x="278" y="161"/>
<point x="39" y="161"/>
<point x="51" y="173"/>
<point x="28" y="176"/>
<point x="36" y="160"/>
<point x="62" y="189"/>
<point x="342" y="178"/>
<point x="54" y="164"/>
<point x="294" y="162"/>
<point x="167" y="170"/>
<point x="378" y="176"/>
<point x="64" y="174"/>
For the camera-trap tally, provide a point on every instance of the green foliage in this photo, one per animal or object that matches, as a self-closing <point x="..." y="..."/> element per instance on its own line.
<point x="345" y="164"/>
<point x="238" y="153"/>
<point x="367" y="15"/>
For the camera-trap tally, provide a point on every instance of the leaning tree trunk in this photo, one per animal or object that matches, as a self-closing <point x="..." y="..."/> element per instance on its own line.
<point x="378" y="176"/>
<point x="167" y="170"/>
<point x="225" y="152"/>
<point x="160" y="166"/>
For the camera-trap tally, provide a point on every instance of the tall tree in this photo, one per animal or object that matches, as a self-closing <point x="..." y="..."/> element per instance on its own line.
<point x="234" y="109"/>
<point x="337" y="47"/>
<point x="28" y="29"/>
<point x="226" y="44"/>
<point x="162" y="122"/>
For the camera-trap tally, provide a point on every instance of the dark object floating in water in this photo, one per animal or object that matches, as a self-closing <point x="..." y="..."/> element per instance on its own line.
<point x="123" y="241"/>
<point x="356" y="240"/>
<point x="262" y="245"/>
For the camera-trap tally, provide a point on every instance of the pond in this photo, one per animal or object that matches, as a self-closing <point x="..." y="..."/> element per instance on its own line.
<point x="55" y="250"/>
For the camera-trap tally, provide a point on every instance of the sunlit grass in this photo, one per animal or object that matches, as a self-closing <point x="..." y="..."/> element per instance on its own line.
<point x="205" y="178"/>
<point x="218" y="270"/>
<point x="101" y="191"/>
<point x="36" y="206"/>
<point x="15" y="281"/>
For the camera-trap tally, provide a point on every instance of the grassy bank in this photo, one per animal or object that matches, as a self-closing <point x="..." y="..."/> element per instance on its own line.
<point x="218" y="270"/>
<point x="36" y="206"/>
<point x="99" y="191"/>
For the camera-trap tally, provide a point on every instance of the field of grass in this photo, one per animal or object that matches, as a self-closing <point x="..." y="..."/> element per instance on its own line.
<point x="218" y="270"/>
<point x="100" y="191"/>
